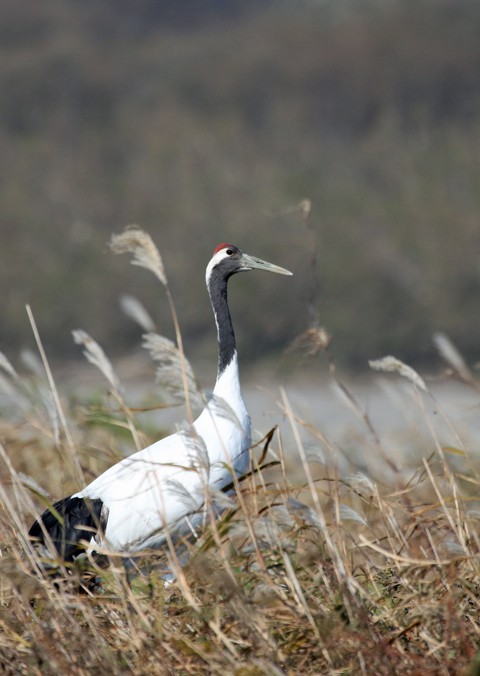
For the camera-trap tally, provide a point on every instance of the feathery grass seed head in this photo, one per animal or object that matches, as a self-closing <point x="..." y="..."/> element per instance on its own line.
<point x="96" y="356"/>
<point x="136" y="311"/>
<point x="136" y="241"/>
<point x="394" y="365"/>
<point x="171" y="367"/>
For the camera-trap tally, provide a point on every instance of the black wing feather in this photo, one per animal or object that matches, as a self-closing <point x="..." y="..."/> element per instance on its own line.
<point x="77" y="515"/>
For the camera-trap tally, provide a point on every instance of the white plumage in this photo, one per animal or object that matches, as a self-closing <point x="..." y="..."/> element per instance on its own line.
<point x="143" y="493"/>
<point x="165" y="486"/>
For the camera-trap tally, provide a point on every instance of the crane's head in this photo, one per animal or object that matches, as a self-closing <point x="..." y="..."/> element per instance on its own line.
<point x="228" y="259"/>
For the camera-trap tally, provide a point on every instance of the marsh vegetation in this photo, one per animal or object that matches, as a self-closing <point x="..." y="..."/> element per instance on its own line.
<point x="319" y="563"/>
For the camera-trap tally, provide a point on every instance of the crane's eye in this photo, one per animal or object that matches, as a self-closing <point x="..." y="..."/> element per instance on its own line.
<point x="229" y="252"/>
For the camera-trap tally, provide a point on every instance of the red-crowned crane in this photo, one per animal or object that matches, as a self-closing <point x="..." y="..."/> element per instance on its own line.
<point x="132" y="504"/>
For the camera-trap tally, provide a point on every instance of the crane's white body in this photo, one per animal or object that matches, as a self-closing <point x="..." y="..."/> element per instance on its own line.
<point x="164" y="488"/>
<point x="154" y="489"/>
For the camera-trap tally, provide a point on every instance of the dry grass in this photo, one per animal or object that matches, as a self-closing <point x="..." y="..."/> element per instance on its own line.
<point x="306" y="572"/>
<point x="329" y="575"/>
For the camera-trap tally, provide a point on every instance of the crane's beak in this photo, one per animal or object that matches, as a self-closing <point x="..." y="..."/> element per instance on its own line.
<point x="254" y="263"/>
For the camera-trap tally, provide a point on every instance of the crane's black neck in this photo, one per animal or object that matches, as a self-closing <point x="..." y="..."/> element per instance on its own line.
<point x="217" y="289"/>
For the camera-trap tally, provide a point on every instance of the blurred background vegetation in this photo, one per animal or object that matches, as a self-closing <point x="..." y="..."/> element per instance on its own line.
<point x="211" y="121"/>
